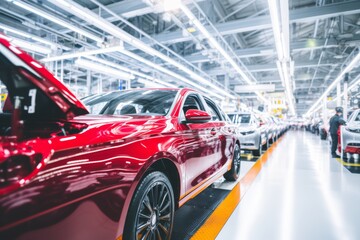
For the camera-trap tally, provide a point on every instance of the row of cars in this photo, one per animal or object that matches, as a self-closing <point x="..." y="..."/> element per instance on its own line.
<point x="349" y="134"/>
<point x="112" y="165"/>
<point x="349" y="140"/>
<point x="257" y="131"/>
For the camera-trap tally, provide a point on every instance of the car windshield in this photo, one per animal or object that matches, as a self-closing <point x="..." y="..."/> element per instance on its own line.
<point x="240" y="118"/>
<point x="243" y="118"/>
<point x="132" y="102"/>
<point x="357" y="118"/>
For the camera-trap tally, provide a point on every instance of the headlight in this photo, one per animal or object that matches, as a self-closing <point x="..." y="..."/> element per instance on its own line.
<point x="247" y="133"/>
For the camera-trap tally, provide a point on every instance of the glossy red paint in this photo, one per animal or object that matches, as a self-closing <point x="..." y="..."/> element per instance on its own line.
<point x="85" y="168"/>
<point x="352" y="150"/>
<point x="52" y="87"/>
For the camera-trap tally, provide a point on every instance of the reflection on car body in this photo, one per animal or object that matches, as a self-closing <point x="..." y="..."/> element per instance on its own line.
<point x="129" y="163"/>
<point x="253" y="135"/>
<point x="350" y="136"/>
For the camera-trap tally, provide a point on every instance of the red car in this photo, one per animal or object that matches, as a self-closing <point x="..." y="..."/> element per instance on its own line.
<point x="117" y="173"/>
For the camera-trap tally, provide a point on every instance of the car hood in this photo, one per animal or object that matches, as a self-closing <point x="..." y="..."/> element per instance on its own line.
<point x="246" y="128"/>
<point x="124" y="126"/>
<point x="39" y="77"/>
<point x="353" y="125"/>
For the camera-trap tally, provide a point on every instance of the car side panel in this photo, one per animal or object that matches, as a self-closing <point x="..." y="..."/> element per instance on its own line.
<point x="83" y="185"/>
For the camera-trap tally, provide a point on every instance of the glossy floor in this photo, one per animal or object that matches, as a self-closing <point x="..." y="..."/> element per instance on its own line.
<point x="300" y="193"/>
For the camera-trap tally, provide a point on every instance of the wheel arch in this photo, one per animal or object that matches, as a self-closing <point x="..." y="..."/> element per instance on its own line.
<point x="169" y="168"/>
<point x="162" y="162"/>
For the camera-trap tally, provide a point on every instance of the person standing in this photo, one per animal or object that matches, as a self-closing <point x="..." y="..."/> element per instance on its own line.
<point x="335" y="122"/>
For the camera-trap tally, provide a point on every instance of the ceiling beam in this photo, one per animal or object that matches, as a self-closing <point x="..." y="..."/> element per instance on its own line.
<point x="133" y="8"/>
<point x="264" y="22"/>
<point x="269" y="67"/>
<point x="269" y="50"/>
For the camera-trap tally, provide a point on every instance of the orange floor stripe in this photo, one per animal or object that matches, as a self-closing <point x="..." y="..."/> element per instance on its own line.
<point x="213" y="225"/>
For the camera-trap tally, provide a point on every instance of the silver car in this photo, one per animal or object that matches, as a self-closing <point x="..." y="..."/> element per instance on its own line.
<point x="252" y="135"/>
<point x="350" y="136"/>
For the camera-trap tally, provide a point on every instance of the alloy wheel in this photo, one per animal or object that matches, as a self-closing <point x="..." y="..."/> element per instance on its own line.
<point x="155" y="214"/>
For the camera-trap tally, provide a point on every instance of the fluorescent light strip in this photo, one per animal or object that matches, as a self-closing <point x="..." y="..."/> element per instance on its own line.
<point x="169" y="72"/>
<point x="95" y="20"/>
<point x="274" y="14"/>
<point x="282" y="47"/>
<point x="213" y="42"/>
<point x="288" y="88"/>
<point x="56" y="20"/>
<point x="348" y="68"/>
<point x="341" y="95"/>
<point x="92" y="66"/>
<point x="118" y="66"/>
<point x="31" y="36"/>
<point x="30" y="46"/>
<point x="82" y="54"/>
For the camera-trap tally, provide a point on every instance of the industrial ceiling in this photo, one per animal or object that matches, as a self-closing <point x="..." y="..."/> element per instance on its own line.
<point x="235" y="50"/>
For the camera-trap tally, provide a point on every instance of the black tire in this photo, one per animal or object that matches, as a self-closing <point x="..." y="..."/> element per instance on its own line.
<point x="151" y="212"/>
<point x="265" y="146"/>
<point x="258" y="152"/>
<point x="344" y="155"/>
<point x="234" y="172"/>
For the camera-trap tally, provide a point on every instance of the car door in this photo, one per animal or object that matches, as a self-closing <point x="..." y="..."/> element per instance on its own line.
<point x="199" y="144"/>
<point x="224" y="133"/>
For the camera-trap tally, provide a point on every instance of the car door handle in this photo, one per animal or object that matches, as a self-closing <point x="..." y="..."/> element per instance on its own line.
<point x="213" y="131"/>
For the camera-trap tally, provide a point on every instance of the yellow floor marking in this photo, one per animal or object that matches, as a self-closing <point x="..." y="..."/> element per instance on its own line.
<point x="216" y="221"/>
<point x="347" y="164"/>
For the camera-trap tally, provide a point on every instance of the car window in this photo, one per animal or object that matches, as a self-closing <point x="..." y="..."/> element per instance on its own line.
<point x="244" y="118"/>
<point x="357" y="118"/>
<point x="232" y="117"/>
<point x="192" y="102"/>
<point x="214" y="112"/>
<point x="139" y="102"/>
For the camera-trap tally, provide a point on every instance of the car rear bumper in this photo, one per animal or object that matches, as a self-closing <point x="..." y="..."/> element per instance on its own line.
<point x="350" y="141"/>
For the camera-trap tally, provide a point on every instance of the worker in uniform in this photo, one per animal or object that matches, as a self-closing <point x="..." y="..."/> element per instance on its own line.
<point x="335" y="122"/>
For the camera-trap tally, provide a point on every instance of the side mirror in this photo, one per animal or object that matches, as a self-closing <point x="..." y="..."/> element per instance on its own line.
<point x="197" y="116"/>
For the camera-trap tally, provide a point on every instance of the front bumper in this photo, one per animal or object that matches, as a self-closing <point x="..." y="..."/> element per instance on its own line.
<point x="250" y="141"/>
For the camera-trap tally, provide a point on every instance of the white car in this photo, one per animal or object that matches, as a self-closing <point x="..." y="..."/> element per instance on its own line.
<point x="350" y="136"/>
<point x="252" y="134"/>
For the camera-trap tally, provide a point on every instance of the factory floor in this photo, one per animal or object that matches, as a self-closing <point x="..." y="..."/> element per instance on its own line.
<point x="300" y="192"/>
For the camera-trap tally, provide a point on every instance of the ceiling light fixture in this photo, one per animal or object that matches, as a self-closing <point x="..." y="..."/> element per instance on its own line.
<point x="103" y="69"/>
<point x="30" y="46"/>
<point x="214" y="43"/>
<point x="82" y="54"/>
<point x="316" y="106"/>
<point x="282" y="43"/>
<point x="56" y="20"/>
<point x="125" y="69"/>
<point x="169" y="72"/>
<point x="94" y="19"/>
<point x="31" y="36"/>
